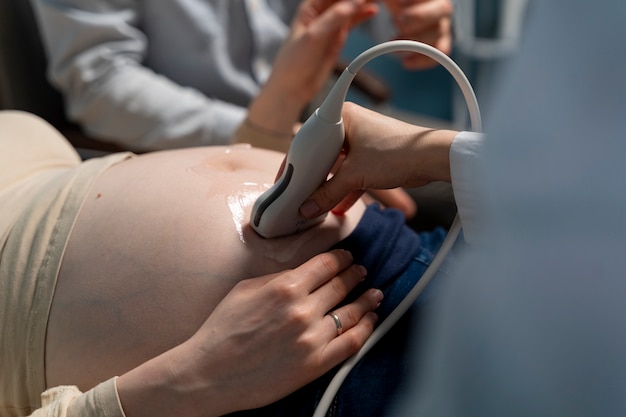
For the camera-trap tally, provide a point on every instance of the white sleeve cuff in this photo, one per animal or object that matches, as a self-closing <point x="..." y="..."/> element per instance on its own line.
<point x="101" y="401"/>
<point x="467" y="182"/>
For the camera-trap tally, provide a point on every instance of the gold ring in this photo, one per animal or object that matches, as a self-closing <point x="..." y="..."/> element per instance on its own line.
<point x="337" y="323"/>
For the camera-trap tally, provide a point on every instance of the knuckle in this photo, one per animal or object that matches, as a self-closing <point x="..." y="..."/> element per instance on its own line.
<point x="351" y="316"/>
<point x="352" y="343"/>
<point x="244" y="285"/>
<point x="349" y="106"/>
<point x="307" y="342"/>
<point x="298" y="315"/>
<point x="308" y="37"/>
<point x="328" y="262"/>
<point x="338" y="286"/>
<point x="326" y="195"/>
<point x="287" y="291"/>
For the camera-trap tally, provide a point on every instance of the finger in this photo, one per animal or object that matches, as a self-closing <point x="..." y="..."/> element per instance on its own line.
<point x="432" y="34"/>
<point x="396" y="198"/>
<point x="426" y="32"/>
<point x="335" y="290"/>
<point x="341" y="320"/>
<point x="361" y="10"/>
<point x="418" y="62"/>
<point x="281" y="169"/>
<point x="342" y="347"/>
<point x="396" y="6"/>
<point x="366" y="13"/>
<point x="347" y="202"/>
<point x="328" y="196"/>
<point x="320" y="269"/>
<point x="414" y="63"/>
<point x="435" y="37"/>
<point x="368" y="199"/>
<point x="338" y="162"/>
<point x="419" y="16"/>
<point x="343" y="14"/>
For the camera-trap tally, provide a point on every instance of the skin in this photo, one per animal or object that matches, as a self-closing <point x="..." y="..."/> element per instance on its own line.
<point x="155" y="286"/>
<point x="428" y="21"/>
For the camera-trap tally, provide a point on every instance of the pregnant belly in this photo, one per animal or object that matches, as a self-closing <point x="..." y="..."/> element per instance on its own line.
<point x="159" y="241"/>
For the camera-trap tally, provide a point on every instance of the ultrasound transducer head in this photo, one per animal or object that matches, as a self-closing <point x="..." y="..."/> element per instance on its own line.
<point x="311" y="156"/>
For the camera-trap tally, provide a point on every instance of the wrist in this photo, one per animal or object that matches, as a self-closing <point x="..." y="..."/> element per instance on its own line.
<point x="275" y="110"/>
<point x="167" y="386"/>
<point x="434" y="155"/>
<point x="257" y="136"/>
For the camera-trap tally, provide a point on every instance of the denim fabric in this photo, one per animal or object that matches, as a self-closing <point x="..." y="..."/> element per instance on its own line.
<point x="372" y="387"/>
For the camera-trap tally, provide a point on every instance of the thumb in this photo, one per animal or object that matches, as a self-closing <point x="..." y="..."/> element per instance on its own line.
<point x="333" y="193"/>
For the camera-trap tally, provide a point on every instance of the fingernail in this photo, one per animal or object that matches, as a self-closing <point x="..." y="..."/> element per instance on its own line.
<point x="348" y="253"/>
<point x="373" y="315"/>
<point x="309" y="209"/>
<point x="378" y="296"/>
<point x="362" y="271"/>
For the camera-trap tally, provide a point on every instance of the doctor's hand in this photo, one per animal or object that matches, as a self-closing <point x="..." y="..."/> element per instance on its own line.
<point x="427" y="21"/>
<point x="304" y="63"/>
<point x="268" y="337"/>
<point x="380" y="153"/>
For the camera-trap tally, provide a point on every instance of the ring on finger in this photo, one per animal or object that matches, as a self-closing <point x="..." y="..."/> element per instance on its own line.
<point x="337" y="322"/>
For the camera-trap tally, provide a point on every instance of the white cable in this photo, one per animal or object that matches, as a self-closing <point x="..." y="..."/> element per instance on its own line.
<point x="453" y="233"/>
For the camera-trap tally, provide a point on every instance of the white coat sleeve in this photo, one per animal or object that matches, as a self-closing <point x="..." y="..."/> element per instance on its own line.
<point x="469" y="189"/>
<point x="94" y="55"/>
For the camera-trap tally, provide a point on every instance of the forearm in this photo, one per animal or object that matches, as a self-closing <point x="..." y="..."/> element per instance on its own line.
<point x="272" y="120"/>
<point x="444" y="155"/>
<point x="143" y="111"/>
<point x="430" y="155"/>
<point x="157" y="388"/>
<point x="455" y="157"/>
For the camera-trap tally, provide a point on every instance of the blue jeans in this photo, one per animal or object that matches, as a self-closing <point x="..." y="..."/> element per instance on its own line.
<point x="372" y="386"/>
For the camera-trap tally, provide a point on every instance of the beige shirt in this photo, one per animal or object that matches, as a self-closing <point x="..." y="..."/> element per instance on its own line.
<point x="42" y="186"/>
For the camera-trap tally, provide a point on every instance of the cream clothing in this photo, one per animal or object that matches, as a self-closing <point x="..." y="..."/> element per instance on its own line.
<point x="42" y="186"/>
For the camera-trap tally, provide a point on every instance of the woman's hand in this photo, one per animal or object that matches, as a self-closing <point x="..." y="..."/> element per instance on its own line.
<point x="268" y="337"/>
<point x="381" y="153"/>
<point x="305" y="62"/>
<point x="310" y="53"/>
<point x="427" y="21"/>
